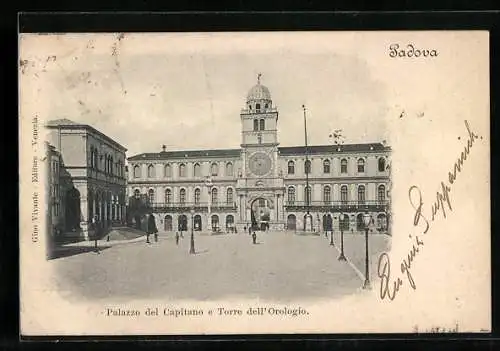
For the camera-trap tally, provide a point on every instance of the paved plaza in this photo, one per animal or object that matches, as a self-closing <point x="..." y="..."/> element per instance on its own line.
<point x="282" y="266"/>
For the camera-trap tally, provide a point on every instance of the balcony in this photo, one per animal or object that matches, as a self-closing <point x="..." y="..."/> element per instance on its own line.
<point x="339" y="206"/>
<point x="198" y="206"/>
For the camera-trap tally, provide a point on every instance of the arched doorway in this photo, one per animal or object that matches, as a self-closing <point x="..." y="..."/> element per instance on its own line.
<point x="327" y="223"/>
<point x="291" y="222"/>
<point x="72" y="212"/>
<point x="307" y="221"/>
<point x="382" y="222"/>
<point x="344" y="223"/>
<point x="168" y="223"/>
<point x="197" y="223"/>
<point x="229" y="222"/>
<point x="182" y="223"/>
<point x="360" y="225"/>
<point x="260" y="213"/>
<point x="215" y="223"/>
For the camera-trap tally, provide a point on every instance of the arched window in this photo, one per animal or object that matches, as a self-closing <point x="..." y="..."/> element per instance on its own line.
<point x="361" y="165"/>
<point x="262" y="124"/>
<point x="229" y="169"/>
<point x="182" y="170"/>
<point x="214" y="195"/>
<point x="229" y="196"/>
<point x="291" y="195"/>
<point x="167" y="171"/>
<point x="381" y="164"/>
<point x="197" y="195"/>
<point x="257" y="107"/>
<point x="151" y="196"/>
<point x="137" y="171"/>
<point x="291" y="167"/>
<point x="343" y="166"/>
<point x="168" y="196"/>
<point x="326" y="166"/>
<point x="197" y="170"/>
<point x="255" y="125"/>
<point x="327" y="194"/>
<point x="381" y="193"/>
<point x="111" y="164"/>
<point x="151" y="171"/>
<point x="307" y="194"/>
<point x="266" y="105"/>
<point x="307" y="166"/>
<point x="361" y="194"/>
<point x="182" y="196"/>
<point x="137" y="193"/>
<point x="214" y="169"/>
<point x="343" y="194"/>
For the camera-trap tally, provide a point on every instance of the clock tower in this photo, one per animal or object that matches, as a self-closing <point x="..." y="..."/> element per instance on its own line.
<point x="260" y="182"/>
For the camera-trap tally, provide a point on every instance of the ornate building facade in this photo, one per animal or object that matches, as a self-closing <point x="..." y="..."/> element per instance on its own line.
<point x="262" y="184"/>
<point x="90" y="179"/>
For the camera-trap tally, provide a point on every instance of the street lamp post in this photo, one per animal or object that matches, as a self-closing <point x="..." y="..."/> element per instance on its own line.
<point x="341" y="227"/>
<point x="191" y="248"/>
<point x="331" y="235"/>
<point x="366" y="219"/>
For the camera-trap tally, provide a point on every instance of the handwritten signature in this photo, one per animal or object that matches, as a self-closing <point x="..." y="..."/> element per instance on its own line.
<point x="442" y="204"/>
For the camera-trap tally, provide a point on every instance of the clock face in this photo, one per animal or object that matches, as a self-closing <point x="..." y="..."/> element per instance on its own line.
<point x="260" y="163"/>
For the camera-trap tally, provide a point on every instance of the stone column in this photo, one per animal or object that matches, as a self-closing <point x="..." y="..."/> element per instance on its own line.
<point x="105" y="212"/>
<point x="84" y="213"/>
<point x="94" y="200"/>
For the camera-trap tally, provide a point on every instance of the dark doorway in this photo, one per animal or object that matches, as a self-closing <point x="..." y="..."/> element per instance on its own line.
<point x="197" y="222"/>
<point x="72" y="211"/>
<point x="327" y="223"/>
<point x="168" y="223"/>
<point x="291" y="222"/>
<point x="360" y="225"/>
<point x="344" y="223"/>
<point x="182" y="223"/>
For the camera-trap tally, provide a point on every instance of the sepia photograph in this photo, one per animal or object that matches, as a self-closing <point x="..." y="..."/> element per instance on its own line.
<point x="212" y="183"/>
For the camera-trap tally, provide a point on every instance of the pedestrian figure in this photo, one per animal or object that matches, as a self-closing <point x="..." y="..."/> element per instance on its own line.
<point x="249" y="230"/>
<point x="97" y="232"/>
<point x="151" y="227"/>
<point x="182" y="235"/>
<point x="177" y="238"/>
<point x="254" y="238"/>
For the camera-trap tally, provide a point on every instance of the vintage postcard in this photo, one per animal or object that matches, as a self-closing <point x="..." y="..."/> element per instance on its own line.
<point x="243" y="183"/>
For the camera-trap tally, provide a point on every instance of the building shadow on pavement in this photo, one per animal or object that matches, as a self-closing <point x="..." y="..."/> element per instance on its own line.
<point x="66" y="251"/>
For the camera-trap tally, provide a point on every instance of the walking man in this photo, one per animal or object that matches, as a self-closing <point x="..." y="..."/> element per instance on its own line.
<point x="254" y="237"/>
<point x="177" y="238"/>
<point x="151" y="228"/>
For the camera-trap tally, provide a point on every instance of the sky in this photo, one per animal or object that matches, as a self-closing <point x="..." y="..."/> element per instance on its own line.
<point x="186" y="90"/>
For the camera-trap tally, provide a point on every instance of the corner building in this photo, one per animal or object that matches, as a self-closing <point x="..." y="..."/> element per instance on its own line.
<point x="262" y="184"/>
<point x="91" y="179"/>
